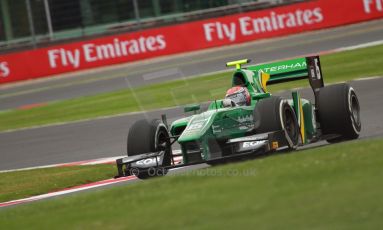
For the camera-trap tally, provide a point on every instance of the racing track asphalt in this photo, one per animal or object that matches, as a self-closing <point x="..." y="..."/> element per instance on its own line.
<point x="106" y="137"/>
<point x="113" y="78"/>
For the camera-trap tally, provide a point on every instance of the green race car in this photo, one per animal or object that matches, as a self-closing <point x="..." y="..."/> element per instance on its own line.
<point x="247" y="122"/>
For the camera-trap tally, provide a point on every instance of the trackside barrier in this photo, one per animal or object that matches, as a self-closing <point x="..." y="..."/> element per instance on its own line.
<point x="233" y="29"/>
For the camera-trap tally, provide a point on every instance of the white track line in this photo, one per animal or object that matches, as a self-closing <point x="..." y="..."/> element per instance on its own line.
<point x="67" y="191"/>
<point x="106" y="160"/>
<point x="359" y="46"/>
<point x="78" y="163"/>
<point x="368" y="78"/>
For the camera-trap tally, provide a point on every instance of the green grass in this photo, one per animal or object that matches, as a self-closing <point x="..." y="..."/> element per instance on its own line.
<point x="22" y="184"/>
<point x="336" y="67"/>
<point x="333" y="187"/>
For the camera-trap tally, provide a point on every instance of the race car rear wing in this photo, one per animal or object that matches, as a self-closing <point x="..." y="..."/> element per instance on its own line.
<point x="291" y="70"/>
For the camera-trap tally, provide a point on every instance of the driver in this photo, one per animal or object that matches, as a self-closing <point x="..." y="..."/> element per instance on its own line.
<point x="239" y="95"/>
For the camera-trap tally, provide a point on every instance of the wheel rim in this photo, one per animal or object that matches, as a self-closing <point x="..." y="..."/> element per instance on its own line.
<point x="355" y="112"/>
<point x="162" y="138"/>
<point x="290" y="124"/>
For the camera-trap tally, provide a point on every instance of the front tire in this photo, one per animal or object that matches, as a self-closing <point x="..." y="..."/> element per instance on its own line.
<point x="339" y="112"/>
<point x="147" y="136"/>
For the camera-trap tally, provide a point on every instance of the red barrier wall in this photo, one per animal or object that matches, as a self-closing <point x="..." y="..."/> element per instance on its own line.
<point x="180" y="38"/>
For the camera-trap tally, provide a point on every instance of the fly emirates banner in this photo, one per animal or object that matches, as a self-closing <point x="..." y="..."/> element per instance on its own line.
<point x="238" y="28"/>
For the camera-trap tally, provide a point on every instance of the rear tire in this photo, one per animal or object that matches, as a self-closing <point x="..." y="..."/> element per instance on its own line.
<point x="339" y="112"/>
<point x="149" y="136"/>
<point x="273" y="114"/>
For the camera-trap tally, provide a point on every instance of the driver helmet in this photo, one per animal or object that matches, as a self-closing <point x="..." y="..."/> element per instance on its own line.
<point x="240" y="95"/>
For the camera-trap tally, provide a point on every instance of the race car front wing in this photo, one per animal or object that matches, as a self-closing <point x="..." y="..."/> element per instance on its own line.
<point x="245" y="146"/>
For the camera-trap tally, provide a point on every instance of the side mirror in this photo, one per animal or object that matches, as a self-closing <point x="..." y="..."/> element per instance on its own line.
<point x="192" y="108"/>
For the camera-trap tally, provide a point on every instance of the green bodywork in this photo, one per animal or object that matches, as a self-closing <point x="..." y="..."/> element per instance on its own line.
<point x="218" y="124"/>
